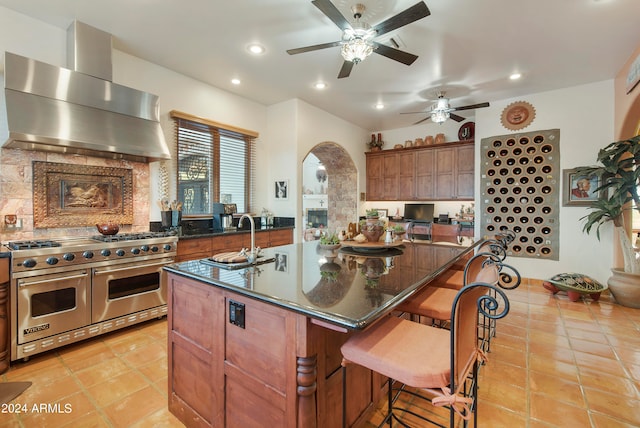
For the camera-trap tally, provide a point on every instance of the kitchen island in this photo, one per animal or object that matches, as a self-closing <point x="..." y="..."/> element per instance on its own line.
<point x="260" y="346"/>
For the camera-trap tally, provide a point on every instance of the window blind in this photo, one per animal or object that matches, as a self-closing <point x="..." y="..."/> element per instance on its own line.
<point x="215" y="164"/>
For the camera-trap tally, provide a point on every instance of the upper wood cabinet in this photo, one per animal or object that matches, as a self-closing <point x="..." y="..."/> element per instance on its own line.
<point x="438" y="172"/>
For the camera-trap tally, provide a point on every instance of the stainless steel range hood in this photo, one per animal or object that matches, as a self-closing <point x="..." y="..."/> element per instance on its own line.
<point x="79" y="110"/>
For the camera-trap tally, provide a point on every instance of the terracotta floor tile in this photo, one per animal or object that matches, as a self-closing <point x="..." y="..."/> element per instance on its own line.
<point x="549" y="410"/>
<point x="603" y="350"/>
<point x="613" y="405"/>
<point x="567" y="392"/>
<point x="549" y="338"/>
<point x="117" y="388"/>
<point x="67" y="411"/>
<point x="145" y="354"/>
<point x="605" y="421"/>
<point x="608" y="365"/>
<point x="135" y="407"/>
<point x="102" y="372"/>
<point x="505" y="395"/>
<point x="51" y="392"/>
<point x="156" y="369"/>
<point x="80" y="358"/>
<point x="497" y="416"/>
<point x="162" y="418"/>
<point x="593" y="377"/>
<point x="131" y="343"/>
<point x="545" y="364"/>
<point x="90" y="420"/>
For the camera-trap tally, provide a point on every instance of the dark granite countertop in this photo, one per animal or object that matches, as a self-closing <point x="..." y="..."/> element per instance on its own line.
<point x="204" y="233"/>
<point x="348" y="288"/>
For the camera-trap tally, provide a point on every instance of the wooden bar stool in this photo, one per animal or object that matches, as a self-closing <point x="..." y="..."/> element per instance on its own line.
<point x="441" y="364"/>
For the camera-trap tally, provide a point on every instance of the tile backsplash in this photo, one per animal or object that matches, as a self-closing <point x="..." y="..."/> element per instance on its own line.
<point x="16" y="194"/>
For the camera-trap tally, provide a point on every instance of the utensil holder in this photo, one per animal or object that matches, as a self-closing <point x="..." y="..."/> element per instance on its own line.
<point x="171" y="219"/>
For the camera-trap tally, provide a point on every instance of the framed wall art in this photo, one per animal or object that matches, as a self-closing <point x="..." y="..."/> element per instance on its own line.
<point x="282" y="190"/>
<point x="579" y="190"/>
<point x="69" y="195"/>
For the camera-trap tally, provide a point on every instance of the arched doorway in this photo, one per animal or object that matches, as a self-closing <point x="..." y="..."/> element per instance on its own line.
<point x="342" y="185"/>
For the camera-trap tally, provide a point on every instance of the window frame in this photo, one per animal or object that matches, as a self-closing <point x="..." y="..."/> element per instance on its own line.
<point x="217" y="132"/>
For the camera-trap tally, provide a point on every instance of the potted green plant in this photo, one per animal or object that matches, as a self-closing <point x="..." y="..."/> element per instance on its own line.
<point x="619" y="174"/>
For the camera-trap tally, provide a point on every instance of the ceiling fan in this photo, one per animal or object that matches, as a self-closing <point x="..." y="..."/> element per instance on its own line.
<point x="358" y="37"/>
<point x="440" y="111"/>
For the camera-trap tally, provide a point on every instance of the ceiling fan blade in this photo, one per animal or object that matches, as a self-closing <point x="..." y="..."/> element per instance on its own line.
<point x="394" y="54"/>
<point x="456" y="117"/>
<point x="332" y="13"/>
<point x="413" y="112"/>
<point x="420" y="121"/>
<point x="471" y="106"/>
<point x="414" y="13"/>
<point x="345" y="71"/>
<point x="313" y="48"/>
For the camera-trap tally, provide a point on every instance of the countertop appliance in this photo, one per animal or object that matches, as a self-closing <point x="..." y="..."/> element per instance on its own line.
<point x="223" y="217"/>
<point x="67" y="290"/>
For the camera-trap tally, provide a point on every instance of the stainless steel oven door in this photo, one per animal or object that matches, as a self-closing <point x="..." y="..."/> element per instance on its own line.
<point x="52" y="303"/>
<point x="127" y="288"/>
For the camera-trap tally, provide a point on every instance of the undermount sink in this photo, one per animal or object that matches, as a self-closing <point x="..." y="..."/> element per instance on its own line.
<point x="231" y="266"/>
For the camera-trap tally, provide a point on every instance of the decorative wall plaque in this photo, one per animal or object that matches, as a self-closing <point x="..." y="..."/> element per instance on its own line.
<point x="520" y="188"/>
<point x="69" y="195"/>
<point x="518" y="115"/>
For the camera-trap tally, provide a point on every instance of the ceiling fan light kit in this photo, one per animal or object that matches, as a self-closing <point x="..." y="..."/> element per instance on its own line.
<point x="358" y="42"/>
<point x="441" y="110"/>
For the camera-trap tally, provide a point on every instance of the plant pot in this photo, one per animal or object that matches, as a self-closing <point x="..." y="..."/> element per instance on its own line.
<point x="625" y="288"/>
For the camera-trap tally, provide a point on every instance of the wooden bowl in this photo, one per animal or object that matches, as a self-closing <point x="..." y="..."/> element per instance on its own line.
<point x="108" y="228"/>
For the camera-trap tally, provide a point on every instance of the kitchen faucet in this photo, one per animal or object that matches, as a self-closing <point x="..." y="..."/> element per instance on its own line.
<point x="253" y="255"/>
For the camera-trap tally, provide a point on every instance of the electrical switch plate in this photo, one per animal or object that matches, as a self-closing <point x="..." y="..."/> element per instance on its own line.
<point x="236" y="313"/>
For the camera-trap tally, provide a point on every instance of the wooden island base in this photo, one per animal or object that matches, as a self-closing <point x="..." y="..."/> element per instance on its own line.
<point x="280" y="370"/>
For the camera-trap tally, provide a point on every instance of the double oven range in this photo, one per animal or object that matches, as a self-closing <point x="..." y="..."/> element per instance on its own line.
<point x="67" y="290"/>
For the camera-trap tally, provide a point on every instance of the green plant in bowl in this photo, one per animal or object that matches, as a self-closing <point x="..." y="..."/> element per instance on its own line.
<point x="329" y="239"/>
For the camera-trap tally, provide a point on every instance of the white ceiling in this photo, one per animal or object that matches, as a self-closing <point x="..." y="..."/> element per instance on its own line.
<point x="468" y="47"/>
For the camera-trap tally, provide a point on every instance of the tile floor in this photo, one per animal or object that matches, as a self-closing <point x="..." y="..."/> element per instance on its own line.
<point x="554" y="363"/>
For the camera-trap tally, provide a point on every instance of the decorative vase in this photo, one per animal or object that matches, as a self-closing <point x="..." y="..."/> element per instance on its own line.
<point x="439" y="138"/>
<point x="428" y="140"/>
<point x="372" y="229"/>
<point x="625" y="287"/>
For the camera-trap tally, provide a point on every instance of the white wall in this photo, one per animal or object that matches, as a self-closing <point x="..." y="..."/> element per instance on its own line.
<point x="584" y="115"/>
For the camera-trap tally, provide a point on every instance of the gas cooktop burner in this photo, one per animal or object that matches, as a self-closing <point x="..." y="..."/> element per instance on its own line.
<point x="26" y="245"/>
<point x="132" y="236"/>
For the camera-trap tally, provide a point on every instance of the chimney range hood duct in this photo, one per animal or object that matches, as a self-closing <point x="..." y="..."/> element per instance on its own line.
<point x="79" y="110"/>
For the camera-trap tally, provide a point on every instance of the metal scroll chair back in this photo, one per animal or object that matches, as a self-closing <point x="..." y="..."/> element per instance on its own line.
<point x="473" y="302"/>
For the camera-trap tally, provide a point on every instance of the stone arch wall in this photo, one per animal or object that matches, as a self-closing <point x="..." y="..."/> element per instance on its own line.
<point x="342" y="191"/>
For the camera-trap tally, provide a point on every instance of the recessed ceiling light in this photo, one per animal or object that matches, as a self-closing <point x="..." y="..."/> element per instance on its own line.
<point x="515" y="76"/>
<point x="235" y="81"/>
<point x="379" y="106"/>
<point x="255" y="49"/>
<point x="320" y="85"/>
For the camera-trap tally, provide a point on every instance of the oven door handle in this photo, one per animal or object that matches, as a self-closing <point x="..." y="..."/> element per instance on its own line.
<point x="102" y="272"/>
<point x="24" y="283"/>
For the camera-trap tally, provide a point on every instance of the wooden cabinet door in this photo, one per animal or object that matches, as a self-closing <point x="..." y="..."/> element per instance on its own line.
<point x="465" y="167"/>
<point x="374" y="177"/>
<point x="424" y="187"/>
<point x="280" y="237"/>
<point x="445" y="173"/>
<point x="193" y="249"/>
<point x="407" y="176"/>
<point x="390" y="171"/>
